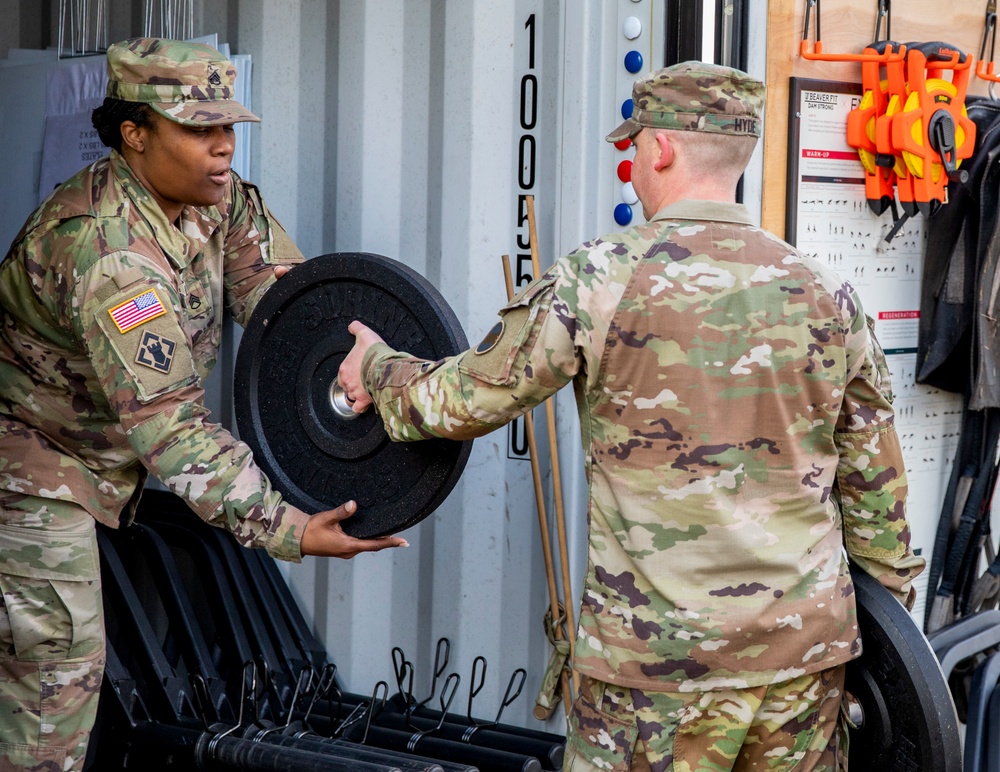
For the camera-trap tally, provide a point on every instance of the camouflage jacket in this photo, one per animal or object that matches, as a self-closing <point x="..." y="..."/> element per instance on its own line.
<point x="738" y="434"/>
<point x="112" y="320"/>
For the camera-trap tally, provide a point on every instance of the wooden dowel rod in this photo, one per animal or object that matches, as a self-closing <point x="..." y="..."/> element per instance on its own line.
<point x="543" y="519"/>
<point x="550" y="415"/>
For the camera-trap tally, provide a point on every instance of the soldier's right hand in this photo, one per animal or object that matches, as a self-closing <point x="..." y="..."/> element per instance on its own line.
<point x="349" y="374"/>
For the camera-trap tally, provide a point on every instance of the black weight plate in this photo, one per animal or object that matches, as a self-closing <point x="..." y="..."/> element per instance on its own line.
<point x="287" y="360"/>
<point x="909" y="718"/>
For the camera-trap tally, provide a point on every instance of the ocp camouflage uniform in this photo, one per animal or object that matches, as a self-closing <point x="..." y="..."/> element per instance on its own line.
<point x="112" y="320"/>
<point x="738" y="433"/>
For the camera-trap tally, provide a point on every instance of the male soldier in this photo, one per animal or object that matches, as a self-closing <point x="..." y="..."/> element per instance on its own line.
<point x="112" y="301"/>
<point x="738" y="434"/>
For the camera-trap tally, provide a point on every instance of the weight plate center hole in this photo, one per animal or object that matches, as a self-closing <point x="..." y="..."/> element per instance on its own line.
<point x="342" y="405"/>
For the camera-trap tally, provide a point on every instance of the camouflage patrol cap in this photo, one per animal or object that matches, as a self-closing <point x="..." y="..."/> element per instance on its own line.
<point x="695" y="96"/>
<point x="189" y="83"/>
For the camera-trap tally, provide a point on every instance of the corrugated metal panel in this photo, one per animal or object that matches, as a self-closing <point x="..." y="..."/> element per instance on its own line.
<point x="414" y="154"/>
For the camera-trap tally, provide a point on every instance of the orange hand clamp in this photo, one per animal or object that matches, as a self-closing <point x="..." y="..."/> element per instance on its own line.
<point x="880" y="174"/>
<point x="932" y="133"/>
<point x="896" y="90"/>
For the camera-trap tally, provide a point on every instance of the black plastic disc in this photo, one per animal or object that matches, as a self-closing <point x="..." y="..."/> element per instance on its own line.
<point x="909" y="717"/>
<point x="288" y="360"/>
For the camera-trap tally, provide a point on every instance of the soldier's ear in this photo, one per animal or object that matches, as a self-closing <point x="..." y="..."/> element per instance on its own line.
<point x="666" y="155"/>
<point x="133" y="136"/>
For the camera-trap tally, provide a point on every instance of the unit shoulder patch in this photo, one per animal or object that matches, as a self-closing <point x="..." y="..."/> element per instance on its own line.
<point x="491" y="338"/>
<point x="156" y="351"/>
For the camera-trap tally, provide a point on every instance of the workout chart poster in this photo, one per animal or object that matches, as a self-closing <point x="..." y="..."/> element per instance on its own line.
<point x="828" y="218"/>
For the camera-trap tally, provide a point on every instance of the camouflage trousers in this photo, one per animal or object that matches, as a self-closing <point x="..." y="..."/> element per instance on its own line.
<point x="788" y="726"/>
<point x="51" y="633"/>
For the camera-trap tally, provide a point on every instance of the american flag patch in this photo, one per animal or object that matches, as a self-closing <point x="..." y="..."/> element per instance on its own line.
<point x="136" y="311"/>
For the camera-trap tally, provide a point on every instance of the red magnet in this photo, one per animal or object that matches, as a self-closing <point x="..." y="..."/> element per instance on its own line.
<point x="625" y="171"/>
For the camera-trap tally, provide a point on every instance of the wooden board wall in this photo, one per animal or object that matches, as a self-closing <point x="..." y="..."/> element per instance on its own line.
<point x="847" y="27"/>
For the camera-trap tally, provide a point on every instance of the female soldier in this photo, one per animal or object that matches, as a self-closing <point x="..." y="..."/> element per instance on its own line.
<point x="112" y="302"/>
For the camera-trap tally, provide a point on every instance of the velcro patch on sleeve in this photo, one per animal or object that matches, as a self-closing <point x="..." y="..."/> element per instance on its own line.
<point x="153" y="351"/>
<point x="493" y="359"/>
<point x="137" y="310"/>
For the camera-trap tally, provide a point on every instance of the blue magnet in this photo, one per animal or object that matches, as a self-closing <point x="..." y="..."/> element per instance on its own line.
<point x="623" y="214"/>
<point x="627" y="106"/>
<point x="633" y="61"/>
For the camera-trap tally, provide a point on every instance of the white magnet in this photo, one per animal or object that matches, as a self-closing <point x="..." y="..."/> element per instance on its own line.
<point x="632" y="28"/>
<point x="628" y="194"/>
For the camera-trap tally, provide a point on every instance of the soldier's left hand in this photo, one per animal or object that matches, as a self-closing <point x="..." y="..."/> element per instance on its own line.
<point x="349" y="375"/>
<point x="324" y="536"/>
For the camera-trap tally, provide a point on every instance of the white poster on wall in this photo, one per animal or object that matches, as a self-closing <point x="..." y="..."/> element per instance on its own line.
<point x="829" y="219"/>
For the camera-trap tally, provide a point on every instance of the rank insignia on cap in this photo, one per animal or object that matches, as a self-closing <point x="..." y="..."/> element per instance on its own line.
<point x="156" y="351"/>
<point x="137" y="310"/>
<point x="491" y="338"/>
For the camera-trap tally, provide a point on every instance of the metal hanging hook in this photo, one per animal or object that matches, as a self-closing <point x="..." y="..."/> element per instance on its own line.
<point x="891" y="52"/>
<point x="446" y="700"/>
<point x="248" y="706"/>
<point x="302" y="686"/>
<point x="326" y="680"/>
<point x="508" y="698"/>
<point x="352" y="718"/>
<point x="249" y="676"/>
<point x="518" y="677"/>
<point x="401" y="666"/>
<point x="985" y="68"/>
<point x="884" y="12"/>
<point x="475" y="688"/>
<point x="201" y="698"/>
<point x="382" y="687"/>
<point x="364" y="712"/>
<point x="441" y="656"/>
<point x="403" y="671"/>
<point x="989" y="29"/>
<point x="810" y="4"/>
<point x="265" y="687"/>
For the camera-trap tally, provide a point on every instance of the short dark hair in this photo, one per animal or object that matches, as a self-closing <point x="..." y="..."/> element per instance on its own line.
<point x="109" y="117"/>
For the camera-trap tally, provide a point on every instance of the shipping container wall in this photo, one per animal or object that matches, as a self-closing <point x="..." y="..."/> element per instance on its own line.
<point x="436" y="120"/>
